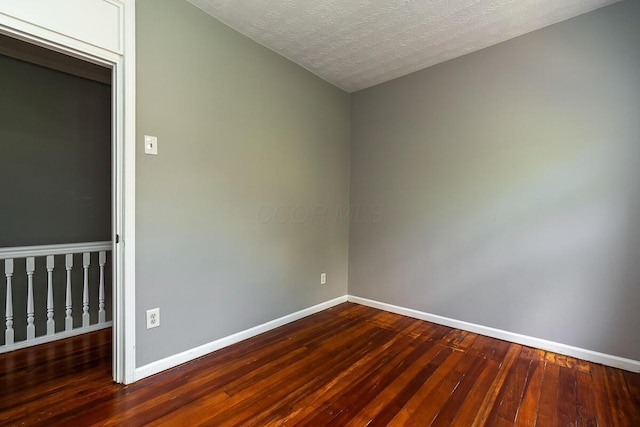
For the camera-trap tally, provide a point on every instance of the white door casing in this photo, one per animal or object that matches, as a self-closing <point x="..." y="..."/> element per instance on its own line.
<point x="103" y="32"/>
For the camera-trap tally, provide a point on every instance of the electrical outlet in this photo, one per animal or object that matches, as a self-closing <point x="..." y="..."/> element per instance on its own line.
<point x="153" y="318"/>
<point x="323" y="278"/>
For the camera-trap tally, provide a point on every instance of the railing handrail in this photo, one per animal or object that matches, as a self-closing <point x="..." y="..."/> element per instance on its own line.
<point x="61" y="249"/>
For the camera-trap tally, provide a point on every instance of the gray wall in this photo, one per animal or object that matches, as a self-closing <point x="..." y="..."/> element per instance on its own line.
<point x="510" y="185"/>
<point x="241" y="132"/>
<point x="55" y="156"/>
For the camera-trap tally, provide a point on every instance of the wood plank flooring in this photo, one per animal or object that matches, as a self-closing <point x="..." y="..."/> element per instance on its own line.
<point x="347" y="366"/>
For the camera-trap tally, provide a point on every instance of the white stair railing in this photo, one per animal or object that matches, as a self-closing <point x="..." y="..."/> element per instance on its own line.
<point x="29" y="254"/>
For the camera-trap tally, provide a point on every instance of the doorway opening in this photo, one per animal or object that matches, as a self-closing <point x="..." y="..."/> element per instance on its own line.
<point x="57" y="163"/>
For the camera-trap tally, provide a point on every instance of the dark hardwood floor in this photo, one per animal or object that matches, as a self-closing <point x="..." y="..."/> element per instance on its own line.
<point x="349" y="365"/>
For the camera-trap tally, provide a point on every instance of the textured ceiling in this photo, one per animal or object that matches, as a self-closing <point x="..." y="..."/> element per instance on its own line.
<point x="355" y="44"/>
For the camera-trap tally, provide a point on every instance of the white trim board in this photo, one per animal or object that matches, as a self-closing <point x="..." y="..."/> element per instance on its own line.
<point x="577" y="352"/>
<point x="188" y="355"/>
<point x="194" y="353"/>
<point x="125" y="301"/>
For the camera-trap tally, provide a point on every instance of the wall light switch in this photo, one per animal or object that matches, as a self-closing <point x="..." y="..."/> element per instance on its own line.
<point x="151" y="145"/>
<point x="323" y="278"/>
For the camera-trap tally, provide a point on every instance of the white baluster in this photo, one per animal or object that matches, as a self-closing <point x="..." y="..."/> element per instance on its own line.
<point x="51" y="324"/>
<point x="31" y="328"/>
<point x="86" y="260"/>
<point x="102" y="315"/>
<point x="8" y="272"/>
<point x="68" y="320"/>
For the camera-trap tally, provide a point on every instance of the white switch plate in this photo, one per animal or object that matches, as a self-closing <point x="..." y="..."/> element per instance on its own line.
<point x="153" y="318"/>
<point x="151" y="145"/>
<point x="323" y="278"/>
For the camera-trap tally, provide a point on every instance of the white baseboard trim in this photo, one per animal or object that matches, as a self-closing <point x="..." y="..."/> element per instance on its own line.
<point x="194" y="353"/>
<point x="568" y="350"/>
<point x="577" y="352"/>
